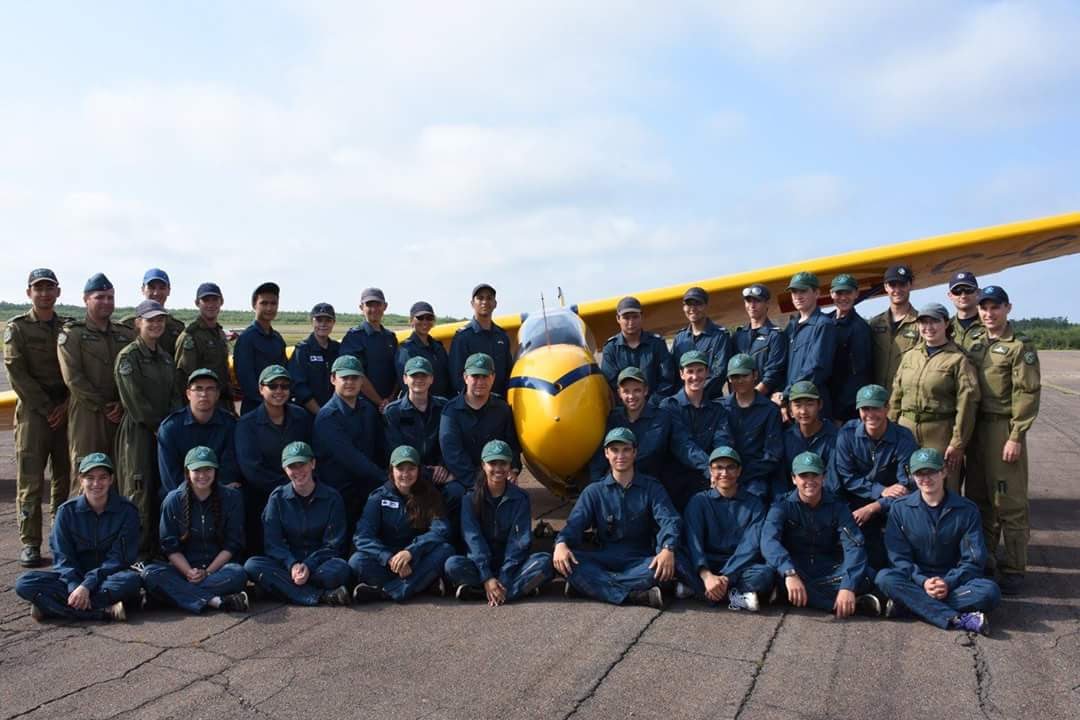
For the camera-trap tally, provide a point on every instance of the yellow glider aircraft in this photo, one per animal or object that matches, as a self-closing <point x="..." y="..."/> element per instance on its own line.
<point x="560" y="399"/>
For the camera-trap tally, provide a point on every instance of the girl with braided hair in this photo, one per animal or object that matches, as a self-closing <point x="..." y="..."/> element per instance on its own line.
<point x="202" y="531"/>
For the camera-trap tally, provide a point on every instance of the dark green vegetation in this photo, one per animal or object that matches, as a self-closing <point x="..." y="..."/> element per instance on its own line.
<point x="1051" y="333"/>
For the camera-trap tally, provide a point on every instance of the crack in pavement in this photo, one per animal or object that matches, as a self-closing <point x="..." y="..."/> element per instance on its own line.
<point x="603" y="676"/>
<point x="760" y="666"/>
<point x="983" y="677"/>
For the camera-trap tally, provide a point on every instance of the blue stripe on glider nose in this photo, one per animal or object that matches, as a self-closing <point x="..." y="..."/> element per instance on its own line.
<point x="554" y="388"/>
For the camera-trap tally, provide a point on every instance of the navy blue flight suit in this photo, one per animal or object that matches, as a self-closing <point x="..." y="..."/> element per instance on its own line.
<point x="945" y="542"/>
<point x="708" y="427"/>
<point x="863" y="467"/>
<point x="853" y="364"/>
<point x="768" y="346"/>
<point x="473" y="339"/>
<point x="309" y="368"/>
<point x="259" y="443"/>
<point x="348" y="443"/>
<point x="206" y="537"/>
<point x="632" y="526"/>
<point x="180" y="431"/>
<point x="436" y="354"/>
<point x="498" y="542"/>
<point x="406" y="425"/>
<point x="723" y="535"/>
<point x="662" y="438"/>
<point x="718" y="347"/>
<point x="88" y="549"/>
<point x="253" y="351"/>
<point x="383" y="531"/>
<point x="309" y="530"/>
<point x="811" y="347"/>
<point x="377" y="350"/>
<point x="651" y="355"/>
<point x="823" y="545"/>
<point x="759" y="438"/>
<point x="822" y="442"/>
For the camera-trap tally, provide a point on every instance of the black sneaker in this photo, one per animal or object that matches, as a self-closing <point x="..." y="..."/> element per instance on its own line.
<point x="30" y="557"/>
<point x="868" y="605"/>
<point x="337" y="596"/>
<point x="532" y="588"/>
<point x="367" y="593"/>
<point x="647" y="598"/>
<point x="438" y="588"/>
<point x="470" y="592"/>
<point x="568" y="591"/>
<point x="1011" y="583"/>
<point x="238" y="602"/>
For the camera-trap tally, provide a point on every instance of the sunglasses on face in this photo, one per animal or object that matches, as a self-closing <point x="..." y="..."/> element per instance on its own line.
<point x="963" y="290"/>
<point x="424" y="318"/>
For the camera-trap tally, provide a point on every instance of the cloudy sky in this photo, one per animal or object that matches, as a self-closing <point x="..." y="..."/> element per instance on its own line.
<point x="606" y="147"/>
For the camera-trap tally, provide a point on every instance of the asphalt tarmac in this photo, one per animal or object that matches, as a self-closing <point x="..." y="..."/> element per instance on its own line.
<point x="556" y="658"/>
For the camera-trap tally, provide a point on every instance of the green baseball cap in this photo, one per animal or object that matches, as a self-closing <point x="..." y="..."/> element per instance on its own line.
<point x="844" y="281"/>
<point x="419" y="366"/>
<point x="807" y="462"/>
<point x="725" y="452"/>
<point x="632" y="373"/>
<point x="741" y="364"/>
<point x="496" y="450"/>
<point x="404" y="454"/>
<point x="926" y="459"/>
<point x="620" y="435"/>
<point x="270" y="373"/>
<point x="804" y="389"/>
<point x="203" y="373"/>
<point x="296" y="452"/>
<point x="804" y="281"/>
<point x="871" y="396"/>
<point x="200" y="457"/>
<point x="95" y="460"/>
<point x="479" y="364"/>
<point x="347" y="366"/>
<point x="690" y="357"/>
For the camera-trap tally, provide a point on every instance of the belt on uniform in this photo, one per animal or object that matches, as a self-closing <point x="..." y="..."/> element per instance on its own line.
<point x="920" y="417"/>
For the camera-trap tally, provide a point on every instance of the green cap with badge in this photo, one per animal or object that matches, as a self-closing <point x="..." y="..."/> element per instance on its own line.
<point x="296" y="452"/>
<point x="807" y="462"/>
<point x="691" y="357"/>
<point x="844" y="281"/>
<point x="95" y="460"/>
<point x="497" y="450"/>
<point x="404" y="454"/>
<point x="271" y="373"/>
<point x="347" y="366"/>
<point x="632" y="373"/>
<point x="479" y="364"/>
<point x="803" y="389"/>
<point x="871" y="396"/>
<point x="926" y="459"/>
<point x="200" y="457"/>
<point x="741" y="364"/>
<point x="620" y="435"/>
<point x="203" y="373"/>
<point x="725" y="452"/>
<point x="419" y="366"/>
<point x="804" y="280"/>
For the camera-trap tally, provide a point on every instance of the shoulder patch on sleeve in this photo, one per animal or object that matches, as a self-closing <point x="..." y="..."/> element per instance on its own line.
<point x="124" y="368"/>
<point x="189" y="343"/>
<point x="1030" y="357"/>
<point x="61" y="338"/>
<point x="7" y="334"/>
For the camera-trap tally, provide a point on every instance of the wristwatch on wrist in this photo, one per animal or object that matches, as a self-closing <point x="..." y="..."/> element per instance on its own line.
<point x="791" y="573"/>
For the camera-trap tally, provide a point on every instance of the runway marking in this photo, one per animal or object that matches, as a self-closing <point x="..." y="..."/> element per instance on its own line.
<point x="1060" y="389"/>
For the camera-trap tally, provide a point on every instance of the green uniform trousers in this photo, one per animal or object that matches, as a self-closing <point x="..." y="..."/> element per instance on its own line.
<point x="36" y="446"/>
<point x="1000" y="489"/>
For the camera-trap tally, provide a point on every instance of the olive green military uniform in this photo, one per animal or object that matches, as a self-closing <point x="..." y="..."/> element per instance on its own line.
<point x="1008" y="370"/>
<point x="87" y="357"/>
<point x="34" y="372"/>
<point x="889" y="345"/>
<point x="203" y="346"/>
<point x="976" y="332"/>
<point x="937" y="398"/>
<point x="145" y="382"/>
<point x="167" y="341"/>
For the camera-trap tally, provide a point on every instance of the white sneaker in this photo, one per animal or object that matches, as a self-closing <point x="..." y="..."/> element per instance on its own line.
<point x="743" y="601"/>
<point x="116" y="612"/>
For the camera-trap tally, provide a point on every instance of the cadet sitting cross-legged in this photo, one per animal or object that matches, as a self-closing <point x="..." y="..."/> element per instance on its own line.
<point x="304" y="537"/>
<point x="402" y="538"/>
<point x="937" y="552"/>
<point x="94" y="540"/>
<point x="637" y="530"/>
<point x="723" y="539"/>
<point x="202" y="535"/>
<point x="496" y="523"/>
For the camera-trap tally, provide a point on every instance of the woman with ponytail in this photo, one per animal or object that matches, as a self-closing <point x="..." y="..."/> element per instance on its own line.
<point x="496" y="522"/>
<point x="402" y="537"/>
<point x="202" y="532"/>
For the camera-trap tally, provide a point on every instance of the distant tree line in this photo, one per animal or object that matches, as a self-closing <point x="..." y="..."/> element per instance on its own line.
<point x="1055" y="333"/>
